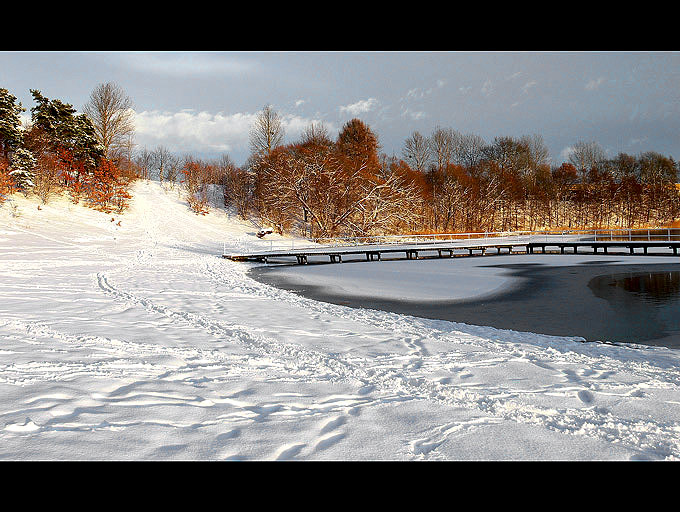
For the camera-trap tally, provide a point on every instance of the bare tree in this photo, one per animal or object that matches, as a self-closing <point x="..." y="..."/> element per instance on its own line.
<point x="237" y="185"/>
<point x="110" y="111"/>
<point x="586" y="155"/>
<point x="162" y="160"/>
<point x="468" y="149"/>
<point x="145" y="161"/>
<point x="267" y="132"/>
<point x="46" y="176"/>
<point x="316" y="133"/>
<point x="540" y="153"/>
<point x="417" y="152"/>
<point x="197" y="177"/>
<point x="442" y="143"/>
<point x="126" y="152"/>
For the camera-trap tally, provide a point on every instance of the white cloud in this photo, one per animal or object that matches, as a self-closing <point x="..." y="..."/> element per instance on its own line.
<point x="360" y="107"/>
<point x="191" y="131"/>
<point x="419" y="92"/>
<point x="299" y="102"/>
<point x="594" y="84"/>
<point x="415" y="115"/>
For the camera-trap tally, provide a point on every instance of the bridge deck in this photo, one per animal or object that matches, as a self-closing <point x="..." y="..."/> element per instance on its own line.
<point x="371" y="252"/>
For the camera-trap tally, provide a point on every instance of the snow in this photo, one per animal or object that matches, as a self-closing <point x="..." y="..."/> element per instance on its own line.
<point x="138" y="341"/>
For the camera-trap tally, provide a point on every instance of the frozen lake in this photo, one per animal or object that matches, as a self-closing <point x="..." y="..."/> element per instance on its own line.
<point x="614" y="298"/>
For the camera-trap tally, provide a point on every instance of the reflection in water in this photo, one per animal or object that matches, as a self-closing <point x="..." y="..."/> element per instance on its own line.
<point x="659" y="287"/>
<point x="646" y="302"/>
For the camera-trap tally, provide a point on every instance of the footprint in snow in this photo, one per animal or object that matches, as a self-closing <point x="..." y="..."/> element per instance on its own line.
<point x="289" y="451"/>
<point x="228" y="435"/>
<point x="328" y="441"/>
<point x="638" y="393"/>
<point x="364" y="390"/>
<point x="424" y="446"/>
<point x="585" y="396"/>
<point x="333" y="424"/>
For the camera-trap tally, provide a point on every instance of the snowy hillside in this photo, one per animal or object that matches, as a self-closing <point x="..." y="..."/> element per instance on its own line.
<point x="129" y="337"/>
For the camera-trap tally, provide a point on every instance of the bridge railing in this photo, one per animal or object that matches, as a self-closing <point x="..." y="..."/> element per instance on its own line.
<point x="518" y="237"/>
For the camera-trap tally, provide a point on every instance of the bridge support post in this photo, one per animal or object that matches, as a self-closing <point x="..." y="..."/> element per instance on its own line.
<point x="301" y="259"/>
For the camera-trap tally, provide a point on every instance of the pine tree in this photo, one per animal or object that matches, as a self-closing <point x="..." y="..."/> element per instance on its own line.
<point x="66" y="130"/>
<point x="22" y="169"/>
<point x="10" y="123"/>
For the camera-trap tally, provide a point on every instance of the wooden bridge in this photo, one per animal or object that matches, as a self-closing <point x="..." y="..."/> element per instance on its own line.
<point x="661" y="241"/>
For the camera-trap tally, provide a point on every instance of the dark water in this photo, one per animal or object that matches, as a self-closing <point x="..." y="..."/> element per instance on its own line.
<point x="650" y="301"/>
<point x="614" y="303"/>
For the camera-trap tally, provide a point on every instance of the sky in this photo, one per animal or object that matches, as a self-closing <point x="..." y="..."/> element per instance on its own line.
<point x="205" y="103"/>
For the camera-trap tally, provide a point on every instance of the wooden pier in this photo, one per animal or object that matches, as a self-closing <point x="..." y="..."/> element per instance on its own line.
<point x="441" y="249"/>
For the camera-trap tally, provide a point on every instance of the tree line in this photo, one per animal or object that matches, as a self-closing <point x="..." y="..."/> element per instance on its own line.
<point x="323" y="186"/>
<point x="450" y="182"/>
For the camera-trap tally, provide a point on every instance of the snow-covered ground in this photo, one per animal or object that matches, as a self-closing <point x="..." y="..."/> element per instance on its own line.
<point x="138" y="341"/>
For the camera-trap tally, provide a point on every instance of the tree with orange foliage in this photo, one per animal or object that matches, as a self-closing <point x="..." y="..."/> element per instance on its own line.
<point x="7" y="187"/>
<point x="196" y="176"/>
<point x="359" y="146"/>
<point x="326" y="189"/>
<point x="106" y="189"/>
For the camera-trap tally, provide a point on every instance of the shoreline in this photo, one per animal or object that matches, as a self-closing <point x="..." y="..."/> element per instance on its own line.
<point x="548" y="299"/>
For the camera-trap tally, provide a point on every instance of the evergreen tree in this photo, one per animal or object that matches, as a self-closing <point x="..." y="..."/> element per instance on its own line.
<point x="65" y="129"/>
<point x="10" y="123"/>
<point x="22" y="168"/>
